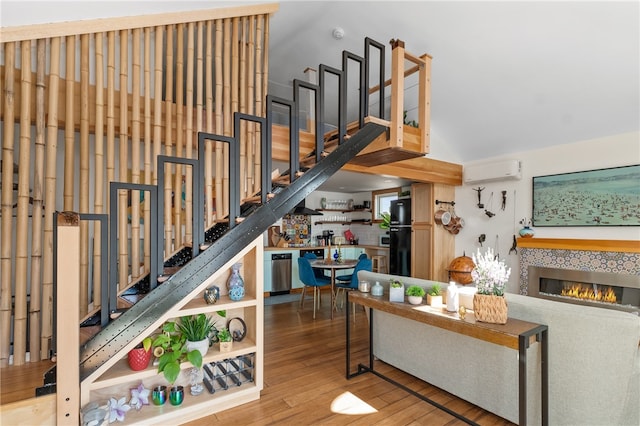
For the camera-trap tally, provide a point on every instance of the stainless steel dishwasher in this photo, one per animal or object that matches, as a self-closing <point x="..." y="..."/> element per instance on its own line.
<point x="280" y="273"/>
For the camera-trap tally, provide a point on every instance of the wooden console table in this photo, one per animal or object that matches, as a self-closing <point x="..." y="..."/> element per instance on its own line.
<point x="515" y="334"/>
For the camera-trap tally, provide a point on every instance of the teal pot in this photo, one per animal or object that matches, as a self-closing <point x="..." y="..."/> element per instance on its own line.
<point x="176" y="395"/>
<point x="159" y="395"/>
<point x="527" y="232"/>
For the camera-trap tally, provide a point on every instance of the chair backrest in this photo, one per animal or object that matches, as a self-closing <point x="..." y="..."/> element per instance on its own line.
<point x="305" y="271"/>
<point x="319" y="273"/>
<point x="362" y="265"/>
<point x="362" y="256"/>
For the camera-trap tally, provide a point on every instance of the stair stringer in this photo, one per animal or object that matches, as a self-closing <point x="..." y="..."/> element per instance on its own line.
<point x="122" y="334"/>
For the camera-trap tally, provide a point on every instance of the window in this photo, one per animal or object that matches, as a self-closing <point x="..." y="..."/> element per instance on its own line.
<point x="381" y="202"/>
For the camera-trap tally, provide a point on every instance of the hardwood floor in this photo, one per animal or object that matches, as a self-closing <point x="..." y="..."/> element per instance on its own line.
<point x="304" y="380"/>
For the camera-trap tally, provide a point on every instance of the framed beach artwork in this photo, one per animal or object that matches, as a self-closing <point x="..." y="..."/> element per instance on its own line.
<point x="603" y="197"/>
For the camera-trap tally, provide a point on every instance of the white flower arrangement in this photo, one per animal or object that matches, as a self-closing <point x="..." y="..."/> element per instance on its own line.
<point x="490" y="274"/>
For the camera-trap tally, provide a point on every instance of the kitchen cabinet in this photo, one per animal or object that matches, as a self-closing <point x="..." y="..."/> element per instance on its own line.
<point x="115" y="379"/>
<point x="432" y="246"/>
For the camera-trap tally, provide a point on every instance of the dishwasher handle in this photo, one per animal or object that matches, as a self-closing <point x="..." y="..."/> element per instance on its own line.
<point x="281" y="256"/>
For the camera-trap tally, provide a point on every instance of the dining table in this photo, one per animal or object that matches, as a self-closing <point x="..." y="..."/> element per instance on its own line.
<point x="333" y="266"/>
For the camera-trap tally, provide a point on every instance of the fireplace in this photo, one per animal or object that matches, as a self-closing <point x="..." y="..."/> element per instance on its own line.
<point x="602" y="289"/>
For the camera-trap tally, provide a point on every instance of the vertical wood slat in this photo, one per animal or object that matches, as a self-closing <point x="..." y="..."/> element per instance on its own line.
<point x="227" y="116"/>
<point x="22" y="214"/>
<point x="148" y="144"/>
<point x="7" y="204"/>
<point x="123" y="250"/>
<point x="69" y="131"/>
<point x="50" y="197"/>
<point x="208" y="160"/>
<point x="83" y="195"/>
<point x="258" y="102"/>
<point x="177" y="184"/>
<point x="111" y="111"/>
<point x="219" y="117"/>
<point x="99" y="170"/>
<point x="38" y="195"/>
<point x="168" y="211"/>
<point x="239" y="32"/>
<point x="135" y="155"/>
<point x="251" y="126"/>
<point x="189" y="105"/>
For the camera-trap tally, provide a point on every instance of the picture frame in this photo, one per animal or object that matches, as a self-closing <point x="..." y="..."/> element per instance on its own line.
<point x="600" y="197"/>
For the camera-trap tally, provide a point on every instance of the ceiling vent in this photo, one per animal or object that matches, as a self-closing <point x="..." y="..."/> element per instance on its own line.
<point x="494" y="171"/>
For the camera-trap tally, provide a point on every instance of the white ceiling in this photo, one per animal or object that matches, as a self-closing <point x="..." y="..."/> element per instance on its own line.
<point x="506" y="76"/>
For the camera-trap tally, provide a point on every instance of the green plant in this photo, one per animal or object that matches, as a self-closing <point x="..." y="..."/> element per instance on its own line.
<point x="196" y="327"/>
<point x="415" y="290"/>
<point x="435" y="290"/>
<point x="224" y="335"/>
<point x="408" y="122"/>
<point x="386" y="220"/>
<point x="395" y="284"/>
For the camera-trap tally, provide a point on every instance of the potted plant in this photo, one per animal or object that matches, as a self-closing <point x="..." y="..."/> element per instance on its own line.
<point x="490" y="276"/>
<point x="415" y="294"/>
<point x="225" y="340"/>
<point x="386" y="220"/>
<point x="434" y="297"/>
<point x="196" y="329"/>
<point x="396" y="291"/>
<point x="140" y="356"/>
<point x="171" y="350"/>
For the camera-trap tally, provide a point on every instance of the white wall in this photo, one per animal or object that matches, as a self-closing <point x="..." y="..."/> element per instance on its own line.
<point x="612" y="151"/>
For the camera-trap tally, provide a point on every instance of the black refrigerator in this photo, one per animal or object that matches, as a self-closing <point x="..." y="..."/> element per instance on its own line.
<point x="400" y="241"/>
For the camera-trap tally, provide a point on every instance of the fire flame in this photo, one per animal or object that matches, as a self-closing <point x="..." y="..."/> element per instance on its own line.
<point x="588" y="292"/>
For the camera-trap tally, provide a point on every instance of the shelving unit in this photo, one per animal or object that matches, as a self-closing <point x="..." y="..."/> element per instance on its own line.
<point x="344" y="222"/>
<point x="115" y="379"/>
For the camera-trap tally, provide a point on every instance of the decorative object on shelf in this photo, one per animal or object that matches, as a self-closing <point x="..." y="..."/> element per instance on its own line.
<point x="479" y="191"/>
<point x="196" y="329"/>
<point x="117" y="409"/>
<point x="212" y="295"/>
<point x="396" y="291"/>
<point x="225" y="340"/>
<point x="527" y="231"/>
<point x="491" y="276"/>
<point x="237" y="334"/>
<point x="460" y="269"/>
<point x="415" y="293"/>
<point x="377" y="289"/>
<point x="140" y="356"/>
<point x="452" y="297"/>
<point x="235" y="284"/>
<point x="195" y="381"/>
<point x="434" y="297"/>
<point x="323" y="203"/>
<point x="386" y="220"/>
<point x="93" y="414"/>
<point x="159" y="395"/>
<point x="139" y="396"/>
<point x="462" y="311"/>
<point x="364" y="286"/>
<point x="176" y="395"/>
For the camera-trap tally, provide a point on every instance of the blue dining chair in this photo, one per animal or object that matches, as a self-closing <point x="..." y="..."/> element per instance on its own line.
<point x="362" y="265"/>
<point x="309" y="279"/>
<point x="346" y="278"/>
<point x="319" y="273"/>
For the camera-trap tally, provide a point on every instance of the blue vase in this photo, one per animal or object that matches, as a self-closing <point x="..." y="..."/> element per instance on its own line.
<point x="526" y="232"/>
<point x="236" y="283"/>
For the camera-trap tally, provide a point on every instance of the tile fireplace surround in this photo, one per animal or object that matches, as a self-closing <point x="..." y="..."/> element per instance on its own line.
<point x="615" y="256"/>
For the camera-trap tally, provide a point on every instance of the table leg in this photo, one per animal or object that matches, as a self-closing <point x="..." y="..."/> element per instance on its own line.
<point x="333" y="293"/>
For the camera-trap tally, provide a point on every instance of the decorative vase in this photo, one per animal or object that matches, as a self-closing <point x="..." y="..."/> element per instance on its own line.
<point x="212" y="295"/>
<point x="235" y="284"/>
<point x="415" y="300"/>
<point x="176" y="395"/>
<point x="489" y="308"/>
<point x="201" y="346"/>
<point x="527" y="232"/>
<point x="377" y="289"/>
<point x="226" y="346"/>
<point x="139" y="358"/>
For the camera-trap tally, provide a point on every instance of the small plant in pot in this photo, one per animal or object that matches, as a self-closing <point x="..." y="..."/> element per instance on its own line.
<point x="196" y="329"/>
<point x="225" y="339"/>
<point x="434" y="297"/>
<point x="415" y="294"/>
<point x="140" y="356"/>
<point x="396" y="291"/>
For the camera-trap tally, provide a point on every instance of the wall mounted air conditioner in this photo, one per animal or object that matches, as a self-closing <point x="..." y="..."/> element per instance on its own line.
<point x="493" y="171"/>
